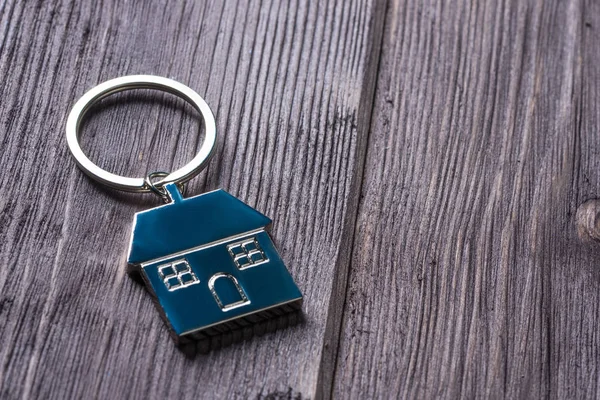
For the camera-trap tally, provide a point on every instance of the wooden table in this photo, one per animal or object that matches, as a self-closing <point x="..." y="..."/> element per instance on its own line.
<point x="430" y="167"/>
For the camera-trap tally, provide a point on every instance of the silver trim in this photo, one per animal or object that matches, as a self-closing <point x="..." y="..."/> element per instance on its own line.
<point x="201" y="247"/>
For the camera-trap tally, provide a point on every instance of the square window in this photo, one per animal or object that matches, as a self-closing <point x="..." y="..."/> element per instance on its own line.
<point x="256" y="257"/>
<point x="172" y="282"/>
<point x="187" y="278"/>
<point x="250" y="246"/>
<point x="236" y="250"/>
<point x="181" y="267"/>
<point x="243" y="261"/>
<point x="167" y="271"/>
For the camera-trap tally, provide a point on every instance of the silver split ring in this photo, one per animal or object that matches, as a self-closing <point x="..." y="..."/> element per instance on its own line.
<point x="124" y="83"/>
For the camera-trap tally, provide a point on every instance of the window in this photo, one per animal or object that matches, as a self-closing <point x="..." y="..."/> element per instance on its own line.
<point x="177" y="275"/>
<point x="247" y="253"/>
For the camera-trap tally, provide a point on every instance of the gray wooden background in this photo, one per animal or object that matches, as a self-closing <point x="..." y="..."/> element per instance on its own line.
<point x="430" y="166"/>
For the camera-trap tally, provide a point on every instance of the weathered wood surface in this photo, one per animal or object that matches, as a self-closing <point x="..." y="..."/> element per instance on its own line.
<point x="286" y="81"/>
<point x="466" y="278"/>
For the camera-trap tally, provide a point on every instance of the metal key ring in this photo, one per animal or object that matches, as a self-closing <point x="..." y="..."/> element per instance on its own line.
<point x="124" y="83"/>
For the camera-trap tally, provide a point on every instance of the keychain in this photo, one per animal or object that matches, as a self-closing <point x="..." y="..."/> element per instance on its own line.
<point x="207" y="260"/>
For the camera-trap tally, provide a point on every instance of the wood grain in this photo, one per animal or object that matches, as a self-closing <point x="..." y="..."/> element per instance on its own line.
<point x="291" y="86"/>
<point x="468" y="279"/>
<point x="432" y="169"/>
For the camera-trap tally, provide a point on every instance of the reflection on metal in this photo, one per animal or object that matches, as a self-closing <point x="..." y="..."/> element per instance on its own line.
<point x="226" y="307"/>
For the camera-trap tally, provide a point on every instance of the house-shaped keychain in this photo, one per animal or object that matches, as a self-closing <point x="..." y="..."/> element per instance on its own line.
<point x="210" y="265"/>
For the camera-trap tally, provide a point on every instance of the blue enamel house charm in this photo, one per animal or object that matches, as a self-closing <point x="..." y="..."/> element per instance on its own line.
<point x="207" y="260"/>
<point x="210" y="264"/>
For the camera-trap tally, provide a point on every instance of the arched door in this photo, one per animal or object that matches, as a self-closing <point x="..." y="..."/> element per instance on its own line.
<point x="227" y="291"/>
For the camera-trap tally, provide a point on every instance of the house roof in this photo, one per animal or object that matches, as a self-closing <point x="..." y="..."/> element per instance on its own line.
<point x="187" y="223"/>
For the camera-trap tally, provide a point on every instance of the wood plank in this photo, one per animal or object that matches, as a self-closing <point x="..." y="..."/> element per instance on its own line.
<point x="291" y="86"/>
<point x="468" y="278"/>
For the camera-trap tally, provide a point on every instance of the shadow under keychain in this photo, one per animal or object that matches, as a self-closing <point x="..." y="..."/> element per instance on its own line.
<point x="207" y="260"/>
